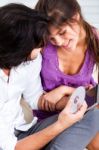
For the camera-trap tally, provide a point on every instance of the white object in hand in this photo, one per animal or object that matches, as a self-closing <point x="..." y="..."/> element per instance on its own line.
<point x="77" y="98"/>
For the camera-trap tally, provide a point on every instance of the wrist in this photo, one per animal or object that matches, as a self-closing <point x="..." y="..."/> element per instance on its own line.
<point x="68" y="90"/>
<point x="59" y="126"/>
<point x="63" y="90"/>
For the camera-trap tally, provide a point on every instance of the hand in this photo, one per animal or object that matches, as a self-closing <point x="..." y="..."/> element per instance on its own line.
<point x="66" y="118"/>
<point x="97" y="106"/>
<point x="45" y="105"/>
<point x="88" y="87"/>
<point x="51" y="98"/>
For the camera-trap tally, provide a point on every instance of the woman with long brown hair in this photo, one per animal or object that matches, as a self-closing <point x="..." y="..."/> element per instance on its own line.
<point x="71" y="51"/>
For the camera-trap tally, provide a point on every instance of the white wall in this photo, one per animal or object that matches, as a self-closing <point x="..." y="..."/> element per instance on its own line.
<point x="29" y="3"/>
<point x="90" y="8"/>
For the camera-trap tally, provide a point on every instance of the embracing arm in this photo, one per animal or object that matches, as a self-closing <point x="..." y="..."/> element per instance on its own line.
<point x="36" y="141"/>
<point x="56" y="99"/>
<point x="41" y="138"/>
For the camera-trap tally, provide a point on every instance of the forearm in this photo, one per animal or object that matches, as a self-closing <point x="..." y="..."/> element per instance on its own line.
<point x="53" y="97"/>
<point x="43" y="137"/>
<point x="62" y="103"/>
<point x="39" y="139"/>
<point x="67" y="90"/>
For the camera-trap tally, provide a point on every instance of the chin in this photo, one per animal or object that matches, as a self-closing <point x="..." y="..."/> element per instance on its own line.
<point x="73" y="50"/>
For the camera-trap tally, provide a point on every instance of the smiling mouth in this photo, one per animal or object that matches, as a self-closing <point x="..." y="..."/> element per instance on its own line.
<point x="67" y="45"/>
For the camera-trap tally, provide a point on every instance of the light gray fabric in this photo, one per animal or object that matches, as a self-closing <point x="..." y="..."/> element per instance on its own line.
<point x="76" y="137"/>
<point x="27" y="111"/>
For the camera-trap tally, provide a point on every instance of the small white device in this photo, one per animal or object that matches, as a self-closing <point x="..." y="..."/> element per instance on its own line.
<point x="77" y="98"/>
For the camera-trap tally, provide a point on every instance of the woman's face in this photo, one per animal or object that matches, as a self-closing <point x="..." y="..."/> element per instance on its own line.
<point x="67" y="36"/>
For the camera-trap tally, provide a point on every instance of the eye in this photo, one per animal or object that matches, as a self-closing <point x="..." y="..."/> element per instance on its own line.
<point x="62" y="33"/>
<point x="52" y="39"/>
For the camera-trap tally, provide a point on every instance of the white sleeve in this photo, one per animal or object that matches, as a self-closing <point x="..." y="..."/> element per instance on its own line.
<point x="7" y="137"/>
<point x="34" y="87"/>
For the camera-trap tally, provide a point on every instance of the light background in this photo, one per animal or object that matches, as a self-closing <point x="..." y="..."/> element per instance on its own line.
<point x="90" y="8"/>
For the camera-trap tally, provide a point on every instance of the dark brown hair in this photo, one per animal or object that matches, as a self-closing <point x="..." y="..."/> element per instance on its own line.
<point x="21" y="30"/>
<point x="62" y="11"/>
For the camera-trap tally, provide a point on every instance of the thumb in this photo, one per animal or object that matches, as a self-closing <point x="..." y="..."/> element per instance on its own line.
<point x="84" y="106"/>
<point x="68" y="106"/>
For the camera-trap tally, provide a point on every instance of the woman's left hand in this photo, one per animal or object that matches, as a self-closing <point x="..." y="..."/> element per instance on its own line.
<point x="51" y="98"/>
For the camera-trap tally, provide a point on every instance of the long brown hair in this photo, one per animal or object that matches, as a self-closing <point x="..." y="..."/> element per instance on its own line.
<point x="62" y="11"/>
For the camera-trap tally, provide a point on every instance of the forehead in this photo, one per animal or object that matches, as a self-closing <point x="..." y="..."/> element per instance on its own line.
<point x="54" y="30"/>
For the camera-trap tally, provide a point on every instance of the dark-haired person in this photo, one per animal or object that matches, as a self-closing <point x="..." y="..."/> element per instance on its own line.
<point x="71" y="52"/>
<point x="22" y="31"/>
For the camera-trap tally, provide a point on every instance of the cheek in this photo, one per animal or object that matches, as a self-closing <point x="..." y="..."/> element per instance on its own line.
<point x="75" y="40"/>
<point x="75" y="30"/>
<point x="75" y="36"/>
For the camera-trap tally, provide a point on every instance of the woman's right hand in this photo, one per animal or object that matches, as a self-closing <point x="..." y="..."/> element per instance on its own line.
<point x="88" y="87"/>
<point x="67" y="119"/>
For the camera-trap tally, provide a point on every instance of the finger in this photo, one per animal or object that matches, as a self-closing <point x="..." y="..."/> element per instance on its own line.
<point x="52" y="107"/>
<point x="42" y="104"/>
<point x="82" y="109"/>
<point x="84" y="106"/>
<point x="68" y="106"/>
<point x="90" y="86"/>
<point x="46" y="106"/>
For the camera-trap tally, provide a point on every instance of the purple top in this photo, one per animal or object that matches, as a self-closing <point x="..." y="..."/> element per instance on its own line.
<point x="52" y="77"/>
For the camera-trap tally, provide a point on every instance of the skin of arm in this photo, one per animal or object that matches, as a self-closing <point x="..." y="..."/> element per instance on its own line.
<point x="56" y="96"/>
<point x="57" y="99"/>
<point x="41" y="138"/>
<point x="63" y="101"/>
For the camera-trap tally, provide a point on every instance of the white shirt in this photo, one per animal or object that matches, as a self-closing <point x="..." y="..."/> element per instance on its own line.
<point x="23" y="80"/>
